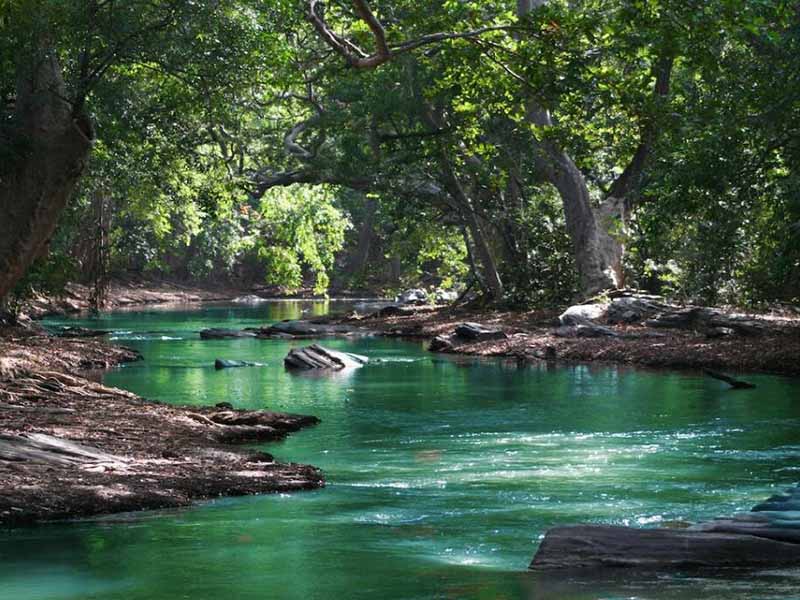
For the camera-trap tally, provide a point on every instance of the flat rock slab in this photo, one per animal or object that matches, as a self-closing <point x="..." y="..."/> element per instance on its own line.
<point x="598" y="546"/>
<point x="308" y="329"/>
<point x="475" y="332"/>
<point x="216" y="333"/>
<point x="318" y="357"/>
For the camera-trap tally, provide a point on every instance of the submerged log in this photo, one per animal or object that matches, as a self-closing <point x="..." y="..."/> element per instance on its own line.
<point x="222" y="363"/>
<point x="736" y="384"/>
<point x="318" y="357"/>
<point x="593" y="546"/>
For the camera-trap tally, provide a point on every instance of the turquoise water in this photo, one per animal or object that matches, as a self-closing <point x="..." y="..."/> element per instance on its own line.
<point x="443" y="474"/>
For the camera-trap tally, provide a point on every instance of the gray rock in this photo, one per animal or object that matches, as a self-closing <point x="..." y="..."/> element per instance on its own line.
<point x="216" y="333"/>
<point x="601" y="546"/>
<point x="306" y="329"/>
<point x="633" y="309"/>
<point x="394" y="310"/>
<point x="413" y="296"/>
<point x="581" y="313"/>
<point x="475" y="332"/>
<point x="441" y="344"/>
<point x="319" y="357"/>
<point x="445" y="296"/>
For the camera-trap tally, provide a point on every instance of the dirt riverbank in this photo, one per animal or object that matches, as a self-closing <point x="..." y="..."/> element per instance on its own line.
<point x="533" y="336"/>
<point x="71" y="447"/>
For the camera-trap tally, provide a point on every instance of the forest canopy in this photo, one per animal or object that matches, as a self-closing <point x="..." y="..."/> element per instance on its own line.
<point x="534" y="151"/>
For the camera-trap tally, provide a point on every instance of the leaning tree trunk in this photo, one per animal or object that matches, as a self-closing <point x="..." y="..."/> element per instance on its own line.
<point x="482" y="251"/>
<point x="36" y="186"/>
<point x="598" y="254"/>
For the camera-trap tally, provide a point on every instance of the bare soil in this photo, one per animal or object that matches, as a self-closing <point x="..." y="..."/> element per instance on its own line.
<point x="531" y="337"/>
<point x="160" y="455"/>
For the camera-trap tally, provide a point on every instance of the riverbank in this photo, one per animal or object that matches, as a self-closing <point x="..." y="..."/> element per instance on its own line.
<point x="126" y="294"/>
<point x="534" y="336"/>
<point x="76" y="298"/>
<point x="71" y="447"/>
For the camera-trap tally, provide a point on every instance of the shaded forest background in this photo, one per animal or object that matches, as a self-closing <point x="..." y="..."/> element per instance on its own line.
<point x="535" y="151"/>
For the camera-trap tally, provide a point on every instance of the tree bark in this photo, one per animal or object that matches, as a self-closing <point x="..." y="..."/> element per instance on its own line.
<point x="357" y="261"/>
<point x="490" y="273"/>
<point x="598" y="254"/>
<point x="36" y="187"/>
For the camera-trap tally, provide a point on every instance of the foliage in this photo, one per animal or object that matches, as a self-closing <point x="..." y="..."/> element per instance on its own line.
<point x="205" y="112"/>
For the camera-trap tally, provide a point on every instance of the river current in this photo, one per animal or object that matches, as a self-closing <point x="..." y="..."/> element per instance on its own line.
<point x="443" y="473"/>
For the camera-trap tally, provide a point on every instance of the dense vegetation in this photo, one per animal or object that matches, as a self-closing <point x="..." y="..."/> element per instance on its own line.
<point x="533" y="152"/>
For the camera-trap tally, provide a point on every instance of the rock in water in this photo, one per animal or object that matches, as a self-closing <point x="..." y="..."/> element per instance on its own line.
<point x="440" y="344"/>
<point x="597" y="546"/>
<point x="318" y="357"/>
<point x="476" y="332"/>
<point x="221" y="363"/>
<point x="307" y="329"/>
<point x="216" y="333"/>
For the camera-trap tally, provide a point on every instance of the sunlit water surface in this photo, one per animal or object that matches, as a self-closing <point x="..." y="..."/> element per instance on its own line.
<point x="443" y="474"/>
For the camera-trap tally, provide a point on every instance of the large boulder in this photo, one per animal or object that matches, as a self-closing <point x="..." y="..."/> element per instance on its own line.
<point x="583" y="313"/>
<point x="767" y="536"/>
<point x="218" y="333"/>
<point x="445" y="296"/>
<point x="475" y="332"/>
<point x="602" y="546"/>
<point x="414" y="296"/>
<point x="319" y="357"/>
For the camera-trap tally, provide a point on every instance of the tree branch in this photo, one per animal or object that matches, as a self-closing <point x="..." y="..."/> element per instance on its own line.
<point x="359" y="59"/>
<point x="625" y="186"/>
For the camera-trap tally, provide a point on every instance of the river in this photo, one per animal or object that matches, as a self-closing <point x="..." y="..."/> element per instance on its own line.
<point x="442" y="474"/>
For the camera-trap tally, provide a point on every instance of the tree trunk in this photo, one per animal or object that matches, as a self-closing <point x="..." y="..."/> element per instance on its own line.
<point x="357" y="261"/>
<point x="36" y="187"/>
<point x="598" y="254"/>
<point x="483" y="253"/>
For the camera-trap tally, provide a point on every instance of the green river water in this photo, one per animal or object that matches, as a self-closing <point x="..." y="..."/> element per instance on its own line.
<point x="442" y="474"/>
